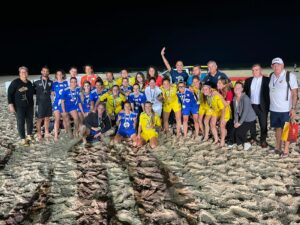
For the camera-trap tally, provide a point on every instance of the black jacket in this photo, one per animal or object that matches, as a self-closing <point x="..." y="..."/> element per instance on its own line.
<point x="264" y="92"/>
<point x="92" y="121"/>
<point x="20" y="94"/>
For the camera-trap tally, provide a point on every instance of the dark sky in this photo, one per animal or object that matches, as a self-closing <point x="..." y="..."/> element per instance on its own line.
<point x="132" y="35"/>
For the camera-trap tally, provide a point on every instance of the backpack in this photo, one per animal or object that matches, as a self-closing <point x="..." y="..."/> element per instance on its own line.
<point x="287" y="79"/>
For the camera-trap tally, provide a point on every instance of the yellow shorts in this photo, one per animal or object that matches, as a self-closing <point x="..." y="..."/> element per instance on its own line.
<point x="175" y="106"/>
<point x="149" y="134"/>
<point x="227" y="115"/>
<point x="203" y="110"/>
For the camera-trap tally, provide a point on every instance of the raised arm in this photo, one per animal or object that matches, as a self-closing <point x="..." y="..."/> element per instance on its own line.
<point x="166" y="62"/>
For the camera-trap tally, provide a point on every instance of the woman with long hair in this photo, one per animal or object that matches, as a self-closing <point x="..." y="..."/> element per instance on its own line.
<point x="140" y="80"/>
<point x="224" y="89"/>
<point x="70" y="102"/>
<point x="58" y="87"/>
<point x="148" y="127"/>
<point x="152" y="72"/>
<point x="137" y="99"/>
<point x="189" y="107"/>
<point x="85" y="96"/>
<point x="170" y="103"/>
<point x="126" y="122"/>
<point x="114" y="100"/>
<point x="213" y="108"/>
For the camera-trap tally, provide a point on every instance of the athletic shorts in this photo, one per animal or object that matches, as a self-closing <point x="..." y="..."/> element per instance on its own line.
<point x="56" y="107"/>
<point x="149" y="134"/>
<point x="70" y="108"/>
<point x="191" y="109"/>
<point x="175" y="106"/>
<point x="278" y="119"/>
<point x="43" y="110"/>
<point x="126" y="133"/>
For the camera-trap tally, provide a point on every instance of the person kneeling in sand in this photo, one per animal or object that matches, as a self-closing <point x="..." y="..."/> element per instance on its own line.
<point x="96" y="125"/>
<point x="126" y="122"/>
<point x="148" y="125"/>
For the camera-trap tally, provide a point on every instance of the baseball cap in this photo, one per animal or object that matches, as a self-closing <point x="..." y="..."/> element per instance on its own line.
<point x="277" y="61"/>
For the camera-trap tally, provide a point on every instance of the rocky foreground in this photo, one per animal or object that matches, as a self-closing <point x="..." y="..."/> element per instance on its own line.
<point x="181" y="182"/>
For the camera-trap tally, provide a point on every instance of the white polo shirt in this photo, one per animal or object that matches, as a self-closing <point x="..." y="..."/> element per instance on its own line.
<point x="255" y="90"/>
<point x="278" y="87"/>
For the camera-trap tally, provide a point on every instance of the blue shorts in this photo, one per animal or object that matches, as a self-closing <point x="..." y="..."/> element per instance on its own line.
<point x="191" y="109"/>
<point x="278" y="119"/>
<point x="70" y="108"/>
<point x="126" y="133"/>
<point x="56" y="107"/>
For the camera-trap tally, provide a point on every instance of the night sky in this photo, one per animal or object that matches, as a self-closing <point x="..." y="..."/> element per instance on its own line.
<point x="131" y="35"/>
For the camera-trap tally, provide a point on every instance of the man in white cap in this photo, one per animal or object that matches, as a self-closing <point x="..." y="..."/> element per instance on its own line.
<point x="283" y="100"/>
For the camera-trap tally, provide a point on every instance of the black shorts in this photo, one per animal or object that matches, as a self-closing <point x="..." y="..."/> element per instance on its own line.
<point x="43" y="110"/>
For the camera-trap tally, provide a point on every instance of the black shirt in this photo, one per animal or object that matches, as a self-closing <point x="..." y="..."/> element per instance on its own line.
<point x="92" y="120"/>
<point x="43" y="91"/>
<point x="20" y="94"/>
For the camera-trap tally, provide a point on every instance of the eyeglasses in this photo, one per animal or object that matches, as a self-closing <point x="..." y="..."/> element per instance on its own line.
<point x="180" y="86"/>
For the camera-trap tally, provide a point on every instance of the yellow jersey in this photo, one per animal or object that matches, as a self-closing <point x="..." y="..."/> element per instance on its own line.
<point x="113" y="105"/>
<point x="108" y="85"/>
<point x="170" y="96"/>
<point x="130" y="79"/>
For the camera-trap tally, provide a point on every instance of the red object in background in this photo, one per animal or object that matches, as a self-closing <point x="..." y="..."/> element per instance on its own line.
<point x="238" y="78"/>
<point x="293" y="132"/>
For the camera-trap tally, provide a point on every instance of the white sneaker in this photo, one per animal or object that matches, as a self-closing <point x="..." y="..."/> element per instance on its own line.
<point x="247" y="146"/>
<point x="230" y="146"/>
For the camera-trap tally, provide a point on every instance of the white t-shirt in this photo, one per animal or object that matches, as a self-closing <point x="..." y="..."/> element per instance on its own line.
<point x="255" y="90"/>
<point x="152" y="94"/>
<point x="278" y="87"/>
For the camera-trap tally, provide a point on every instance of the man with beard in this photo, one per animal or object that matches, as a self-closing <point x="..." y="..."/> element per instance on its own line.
<point x="43" y="88"/>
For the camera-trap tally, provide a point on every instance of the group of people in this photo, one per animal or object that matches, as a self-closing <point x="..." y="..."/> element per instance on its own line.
<point x="132" y="107"/>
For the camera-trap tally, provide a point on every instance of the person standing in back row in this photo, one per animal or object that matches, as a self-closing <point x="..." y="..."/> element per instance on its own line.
<point x="20" y="101"/>
<point x="176" y="75"/>
<point x="283" y="101"/>
<point x="214" y="75"/>
<point x="257" y="89"/>
<point x="43" y="88"/>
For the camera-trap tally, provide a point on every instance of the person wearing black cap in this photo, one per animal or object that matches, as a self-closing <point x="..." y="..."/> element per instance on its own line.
<point x="43" y="88"/>
<point x="20" y="101"/>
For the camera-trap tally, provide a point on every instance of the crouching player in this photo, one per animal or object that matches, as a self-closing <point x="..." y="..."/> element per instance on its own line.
<point x="149" y="125"/>
<point x="96" y="125"/>
<point x="126" y="122"/>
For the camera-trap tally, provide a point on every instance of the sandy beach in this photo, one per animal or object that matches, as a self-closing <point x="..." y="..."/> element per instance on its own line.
<point x="179" y="183"/>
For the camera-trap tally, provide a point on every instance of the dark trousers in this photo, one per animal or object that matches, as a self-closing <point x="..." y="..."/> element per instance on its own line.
<point x="24" y="115"/>
<point x="239" y="135"/>
<point x="263" y="123"/>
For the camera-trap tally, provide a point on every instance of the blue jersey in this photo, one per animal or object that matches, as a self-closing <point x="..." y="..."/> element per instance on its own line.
<point x="95" y="95"/>
<point x="177" y="77"/>
<point x="86" y="103"/>
<point x="137" y="101"/>
<point x="72" y="99"/>
<point x="213" y="80"/>
<point x="58" y="89"/>
<point x="126" y="121"/>
<point x="123" y="89"/>
<point x="188" y="102"/>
